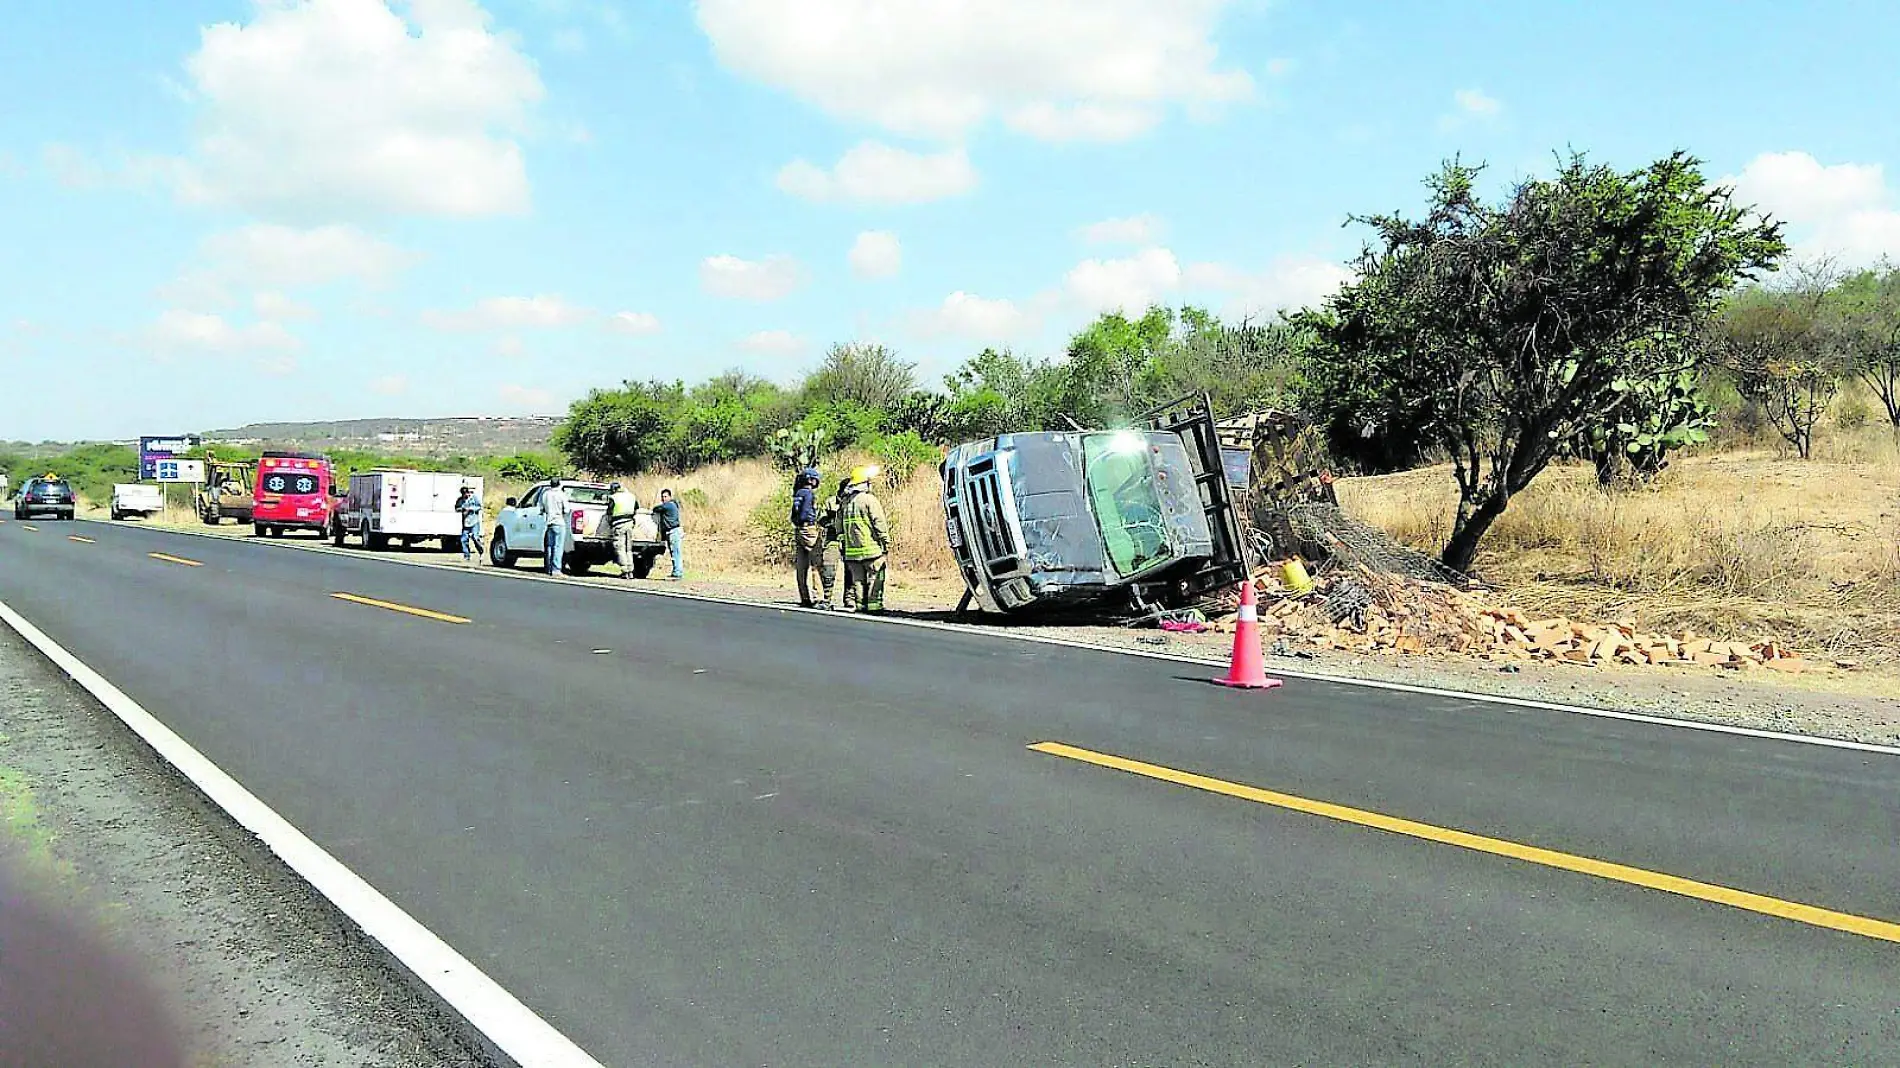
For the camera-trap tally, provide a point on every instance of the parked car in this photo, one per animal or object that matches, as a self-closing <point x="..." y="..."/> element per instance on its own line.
<point x="402" y="505"/>
<point x="520" y="531"/>
<point x="136" y="498"/>
<point x="45" y="495"/>
<point x="295" y="491"/>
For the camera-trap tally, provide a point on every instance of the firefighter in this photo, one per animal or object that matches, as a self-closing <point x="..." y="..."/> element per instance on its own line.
<point x="622" y="509"/>
<point x="867" y="542"/>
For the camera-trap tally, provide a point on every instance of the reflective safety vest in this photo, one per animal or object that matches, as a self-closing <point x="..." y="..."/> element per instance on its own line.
<point x="861" y="527"/>
<point x="622" y="507"/>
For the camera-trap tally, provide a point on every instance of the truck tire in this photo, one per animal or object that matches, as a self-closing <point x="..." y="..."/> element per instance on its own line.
<point x="450" y="545"/>
<point x="117" y="516"/>
<point x="336" y="533"/>
<point x="373" y="541"/>
<point x="257" y="529"/>
<point x="498" y="551"/>
<point x="643" y="565"/>
<point x="576" y="565"/>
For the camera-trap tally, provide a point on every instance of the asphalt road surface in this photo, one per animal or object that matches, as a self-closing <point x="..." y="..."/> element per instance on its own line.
<point x="695" y="833"/>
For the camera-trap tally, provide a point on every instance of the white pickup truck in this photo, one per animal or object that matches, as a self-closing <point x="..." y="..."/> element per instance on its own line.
<point x="131" y="498"/>
<point x="521" y="530"/>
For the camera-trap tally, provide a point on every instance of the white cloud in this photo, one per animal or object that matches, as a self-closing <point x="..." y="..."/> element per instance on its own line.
<point x="527" y="400"/>
<point x="1289" y="282"/>
<point x="271" y="255"/>
<point x="1846" y="210"/>
<point x="1127" y="230"/>
<point x="772" y="278"/>
<point x="1129" y="285"/>
<point x="633" y="323"/>
<point x="344" y="107"/>
<point x="507" y="313"/>
<point x="71" y="167"/>
<point x="276" y="365"/>
<point x="773" y="343"/>
<point x="1054" y="69"/>
<point x="878" y="173"/>
<point x="276" y="307"/>
<point x="973" y="318"/>
<point x="876" y="254"/>
<point x="390" y="385"/>
<point x="176" y="329"/>
<point x="1470" y="106"/>
<point x="510" y="346"/>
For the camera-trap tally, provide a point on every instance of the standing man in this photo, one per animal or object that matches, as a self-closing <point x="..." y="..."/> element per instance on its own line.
<point x="668" y="517"/>
<point x="808" y="551"/>
<point x="470" y="506"/>
<point x="554" y="510"/>
<point x="622" y="509"/>
<point x="867" y="541"/>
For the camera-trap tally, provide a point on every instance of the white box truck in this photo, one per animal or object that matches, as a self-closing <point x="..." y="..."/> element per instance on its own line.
<point x="387" y="505"/>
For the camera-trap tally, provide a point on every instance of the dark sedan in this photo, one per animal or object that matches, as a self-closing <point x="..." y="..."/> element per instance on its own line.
<point x="45" y="496"/>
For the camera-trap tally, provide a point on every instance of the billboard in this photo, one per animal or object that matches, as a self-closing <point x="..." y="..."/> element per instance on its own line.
<point x="158" y="447"/>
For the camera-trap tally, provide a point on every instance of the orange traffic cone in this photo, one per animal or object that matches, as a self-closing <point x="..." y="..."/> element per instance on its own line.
<point x="1249" y="668"/>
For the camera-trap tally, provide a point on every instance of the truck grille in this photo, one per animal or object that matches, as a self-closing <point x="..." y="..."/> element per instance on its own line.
<point x="996" y="543"/>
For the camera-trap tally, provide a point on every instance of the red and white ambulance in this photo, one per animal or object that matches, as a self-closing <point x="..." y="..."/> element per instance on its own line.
<point x="295" y="491"/>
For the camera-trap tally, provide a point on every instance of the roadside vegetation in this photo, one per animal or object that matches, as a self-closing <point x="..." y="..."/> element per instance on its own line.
<point x="1610" y="391"/>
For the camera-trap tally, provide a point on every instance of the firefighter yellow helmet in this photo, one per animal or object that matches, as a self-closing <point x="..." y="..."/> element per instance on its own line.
<point x="862" y="475"/>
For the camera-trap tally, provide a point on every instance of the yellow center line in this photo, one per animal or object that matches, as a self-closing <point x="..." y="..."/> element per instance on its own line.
<point x="170" y="559"/>
<point x="29" y="526"/>
<point x="80" y="540"/>
<point x="1550" y="858"/>
<point x="403" y="608"/>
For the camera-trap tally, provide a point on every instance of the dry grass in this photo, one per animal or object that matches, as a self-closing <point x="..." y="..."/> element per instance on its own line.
<point x="1740" y="545"/>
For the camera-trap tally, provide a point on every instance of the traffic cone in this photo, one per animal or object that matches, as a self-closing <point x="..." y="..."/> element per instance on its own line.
<point x="1249" y="668"/>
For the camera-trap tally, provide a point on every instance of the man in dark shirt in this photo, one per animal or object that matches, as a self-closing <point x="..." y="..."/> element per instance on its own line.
<point x="808" y="549"/>
<point x="667" y="514"/>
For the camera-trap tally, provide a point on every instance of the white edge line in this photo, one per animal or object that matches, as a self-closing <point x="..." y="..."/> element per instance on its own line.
<point x="514" y="1029"/>
<point x="1076" y="643"/>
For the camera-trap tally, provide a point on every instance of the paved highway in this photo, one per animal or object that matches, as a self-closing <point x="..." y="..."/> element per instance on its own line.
<point x="695" y="833"/>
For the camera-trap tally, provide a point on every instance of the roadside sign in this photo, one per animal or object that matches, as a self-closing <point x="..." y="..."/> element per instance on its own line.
<point x="168" y="470"/>
<point x="157" y="447"/>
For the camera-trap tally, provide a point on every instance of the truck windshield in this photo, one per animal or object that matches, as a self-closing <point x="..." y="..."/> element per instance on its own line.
<point x="1121" y="481"/>
<point x="586" y="494"/>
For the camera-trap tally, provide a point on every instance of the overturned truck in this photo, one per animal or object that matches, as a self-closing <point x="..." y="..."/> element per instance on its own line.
<point x="1060" y="519"/>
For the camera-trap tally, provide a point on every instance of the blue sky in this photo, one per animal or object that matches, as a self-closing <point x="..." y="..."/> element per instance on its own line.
<point x="214" y="213"/>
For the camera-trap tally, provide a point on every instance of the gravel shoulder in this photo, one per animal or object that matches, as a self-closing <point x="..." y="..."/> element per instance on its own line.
<point x="252" y="966"/>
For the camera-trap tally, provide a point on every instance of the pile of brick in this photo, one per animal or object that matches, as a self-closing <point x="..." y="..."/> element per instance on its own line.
<point x="1358" y="610"/>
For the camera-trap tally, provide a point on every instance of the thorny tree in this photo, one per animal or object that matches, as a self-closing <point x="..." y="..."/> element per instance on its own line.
<point x="1869" y="312"/>
<point x="1783" y="347"/>
<point x="1505" y="331"/>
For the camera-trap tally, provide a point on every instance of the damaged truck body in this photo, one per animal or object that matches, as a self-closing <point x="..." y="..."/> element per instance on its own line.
<point x="1059" y="519"/>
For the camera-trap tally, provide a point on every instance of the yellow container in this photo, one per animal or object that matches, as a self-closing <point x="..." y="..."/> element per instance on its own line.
<point x="1294" y="577"/>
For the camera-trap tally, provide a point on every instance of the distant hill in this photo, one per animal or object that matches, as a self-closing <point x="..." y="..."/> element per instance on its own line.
<point x="466" y="436"/>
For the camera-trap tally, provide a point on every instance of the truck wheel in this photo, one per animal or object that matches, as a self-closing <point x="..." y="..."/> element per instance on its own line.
<point x="257" y="530"/>
<point x="498" y="553"/>
<point x="643" y="565"/>
<point x="373" y="541"/>
<point x="116" y="516"/>
<point x="450" y="545"/>
<point x="576" y="565"/>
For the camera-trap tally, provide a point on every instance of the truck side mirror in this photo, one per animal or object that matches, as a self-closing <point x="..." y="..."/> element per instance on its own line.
<point x="510" y="502"/>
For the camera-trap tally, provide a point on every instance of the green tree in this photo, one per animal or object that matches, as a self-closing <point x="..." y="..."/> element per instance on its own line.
<point x="1503" y="330"/>
<point x="623" y="431"/>
<point x="1242" y="367"/>
<point x="1783" y="346"/>
<point x="862" y="374"/>
<point x="1868" y="313"/>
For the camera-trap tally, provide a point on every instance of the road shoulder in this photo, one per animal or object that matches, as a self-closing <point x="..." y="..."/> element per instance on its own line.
<point x="256" y="968"/>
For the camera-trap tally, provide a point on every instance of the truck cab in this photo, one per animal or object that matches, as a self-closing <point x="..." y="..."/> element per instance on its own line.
<point x="295" y="491"/>
<point x="1057" y="518"/>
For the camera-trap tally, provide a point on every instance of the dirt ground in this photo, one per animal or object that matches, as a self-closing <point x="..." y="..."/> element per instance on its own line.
<point x="253" y="968"/>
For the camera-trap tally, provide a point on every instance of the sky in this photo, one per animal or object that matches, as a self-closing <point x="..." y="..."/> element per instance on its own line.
<point x="219" y="212"/>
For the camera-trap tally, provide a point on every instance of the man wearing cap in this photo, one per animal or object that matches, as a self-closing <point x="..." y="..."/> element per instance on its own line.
<point x="808" y="548"/>
<point x="623" y="509"/>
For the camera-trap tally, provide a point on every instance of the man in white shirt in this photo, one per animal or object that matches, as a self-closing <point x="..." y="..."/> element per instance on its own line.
<point x="554" y="508"/>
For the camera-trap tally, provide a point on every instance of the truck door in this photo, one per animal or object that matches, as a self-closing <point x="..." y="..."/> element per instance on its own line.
<point x="529" y="528"/>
